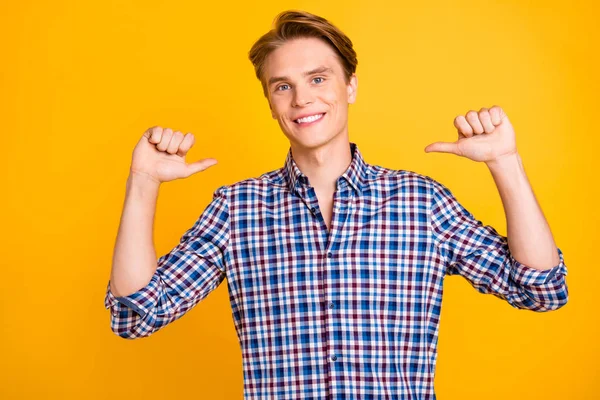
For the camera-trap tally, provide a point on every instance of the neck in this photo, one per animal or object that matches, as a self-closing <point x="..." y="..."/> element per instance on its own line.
<point x="323" y="165"/>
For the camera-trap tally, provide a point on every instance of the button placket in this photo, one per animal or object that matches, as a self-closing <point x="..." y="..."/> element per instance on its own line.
<point x="339" y="216"/>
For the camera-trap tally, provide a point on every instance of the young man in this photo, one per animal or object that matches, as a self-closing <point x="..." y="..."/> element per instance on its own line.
<point x="334" y="266"/>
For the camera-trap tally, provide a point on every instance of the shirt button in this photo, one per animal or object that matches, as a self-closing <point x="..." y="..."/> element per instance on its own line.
<point x="329" y="255"/>
<point x="333" y="357"/>
<point x="312" y="210"/>
<point x="331" y="305"/>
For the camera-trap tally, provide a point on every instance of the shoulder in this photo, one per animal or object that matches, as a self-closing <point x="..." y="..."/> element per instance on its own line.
<point x="405" y="179"/>
<point x="252" y="186"/>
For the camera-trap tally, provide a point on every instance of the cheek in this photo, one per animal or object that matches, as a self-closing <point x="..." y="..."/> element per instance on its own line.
<point x="335" y="97"/>
<point x="279" y="105"/>
<point x="277" y="111"/>
<point x="282" y="118"/>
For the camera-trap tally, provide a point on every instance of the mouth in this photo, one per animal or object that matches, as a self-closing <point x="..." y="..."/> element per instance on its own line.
<point x="309" y="119"/>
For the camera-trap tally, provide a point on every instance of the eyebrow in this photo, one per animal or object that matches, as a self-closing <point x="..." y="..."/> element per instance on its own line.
<point x="318" y="70"/>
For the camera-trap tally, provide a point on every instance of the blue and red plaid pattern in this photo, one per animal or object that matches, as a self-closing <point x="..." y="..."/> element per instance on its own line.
<point x="349" y="313"/>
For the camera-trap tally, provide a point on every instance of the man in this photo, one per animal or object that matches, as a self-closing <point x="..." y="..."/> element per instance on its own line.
<point x="334" y="266"/>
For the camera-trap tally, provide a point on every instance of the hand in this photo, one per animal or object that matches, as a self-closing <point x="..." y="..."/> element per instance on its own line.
<point x="485" y="136"/>
<point x="160" y="154"/>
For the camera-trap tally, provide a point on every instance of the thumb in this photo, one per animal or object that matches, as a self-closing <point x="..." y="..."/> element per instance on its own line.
<point x="198" y="166"/>
<point x="442" y="147"/>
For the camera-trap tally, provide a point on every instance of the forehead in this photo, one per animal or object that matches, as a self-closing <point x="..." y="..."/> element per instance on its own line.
<point x="299" y="55"/>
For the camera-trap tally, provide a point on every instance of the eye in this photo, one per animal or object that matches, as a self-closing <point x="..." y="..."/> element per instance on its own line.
<point x="281" y="87"/>
<point x="318" y="78"/>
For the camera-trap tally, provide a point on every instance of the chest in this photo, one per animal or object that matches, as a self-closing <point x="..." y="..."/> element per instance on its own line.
<point x="285" y="260"/>
<point x="295" y="243"/>
<point x="325" y="200"/>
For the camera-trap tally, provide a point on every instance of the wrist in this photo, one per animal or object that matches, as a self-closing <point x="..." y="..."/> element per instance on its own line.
<point x="505" y="162"/>
<point x="142" y="180"/>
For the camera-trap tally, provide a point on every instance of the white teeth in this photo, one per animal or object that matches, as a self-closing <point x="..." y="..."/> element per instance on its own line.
<point x="309" y="119"/>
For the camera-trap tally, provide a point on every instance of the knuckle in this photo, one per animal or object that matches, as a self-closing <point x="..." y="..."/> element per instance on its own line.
<point x="471" y="114"/>
<point x="155" y="130"/>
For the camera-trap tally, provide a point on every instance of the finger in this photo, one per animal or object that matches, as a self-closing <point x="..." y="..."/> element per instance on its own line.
<point x="486" y="120"/>
<point x="167" y="134"/>
<point x="153" y="132"/>
<point x="496" y="114"/>
<point x="176" y="140"/>
<point x="186" y="144"/>
<point x="473" y="120"/>
<point x="443" y="147"/>
<point x="200" y="165"/>
<point x="463" y="126"/>
<point x="156" y="135"/>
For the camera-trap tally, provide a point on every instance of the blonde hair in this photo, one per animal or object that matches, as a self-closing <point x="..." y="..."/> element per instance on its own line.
<point x="293" y="24"/>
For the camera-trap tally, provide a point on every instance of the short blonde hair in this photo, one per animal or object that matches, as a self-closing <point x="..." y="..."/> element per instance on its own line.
<point x="293" y="24"/>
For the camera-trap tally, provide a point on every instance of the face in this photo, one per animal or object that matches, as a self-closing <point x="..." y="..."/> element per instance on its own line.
<point x="307" y="92"/>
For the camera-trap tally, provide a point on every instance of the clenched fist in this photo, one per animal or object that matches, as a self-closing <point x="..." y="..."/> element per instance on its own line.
<point x="485" y="136"/>
<point x="160" y="154"/>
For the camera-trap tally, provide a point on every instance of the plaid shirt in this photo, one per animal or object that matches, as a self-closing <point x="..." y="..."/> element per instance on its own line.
<point x="347" y="313"/>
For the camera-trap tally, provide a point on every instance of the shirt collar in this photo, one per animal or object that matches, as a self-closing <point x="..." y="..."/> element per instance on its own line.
<point x="354" y="174"/>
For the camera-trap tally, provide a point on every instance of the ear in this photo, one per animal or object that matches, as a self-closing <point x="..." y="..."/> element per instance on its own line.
<point x="352" y="87"/>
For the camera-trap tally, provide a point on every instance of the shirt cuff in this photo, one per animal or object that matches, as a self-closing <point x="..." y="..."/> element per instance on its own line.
<point x="528" y="276"/>
<point x="141" y="301"/>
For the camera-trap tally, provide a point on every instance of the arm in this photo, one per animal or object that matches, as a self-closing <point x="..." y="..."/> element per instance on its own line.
<point x="183" y="277"/>
<point x="477" y="252"/>
<point x="134" y="257"/>
<point x="481" y="255"/>
<point x="144" y="294"/>
<point x="529" y="236"/>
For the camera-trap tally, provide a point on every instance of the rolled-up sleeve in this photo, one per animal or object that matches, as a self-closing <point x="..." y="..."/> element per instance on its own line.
<point x="481" y="255"/>
<point x="184" y="276"/>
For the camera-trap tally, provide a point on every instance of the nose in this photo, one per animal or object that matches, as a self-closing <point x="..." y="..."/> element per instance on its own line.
<point x="302" y="96"/>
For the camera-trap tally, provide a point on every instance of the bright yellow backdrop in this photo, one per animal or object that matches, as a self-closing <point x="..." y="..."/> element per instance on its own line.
<point x="81" y="81"/>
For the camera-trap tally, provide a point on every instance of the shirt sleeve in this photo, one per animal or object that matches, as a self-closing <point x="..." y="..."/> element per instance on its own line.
<point x="184" y="276"/>
<point x="482" y="256"/>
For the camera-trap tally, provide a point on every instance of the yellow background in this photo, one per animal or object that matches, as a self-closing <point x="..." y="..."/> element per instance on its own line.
<point x="81" y="81"/>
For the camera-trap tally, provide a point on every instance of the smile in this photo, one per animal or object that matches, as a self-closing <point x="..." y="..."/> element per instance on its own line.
<point x="309" y="119"/>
